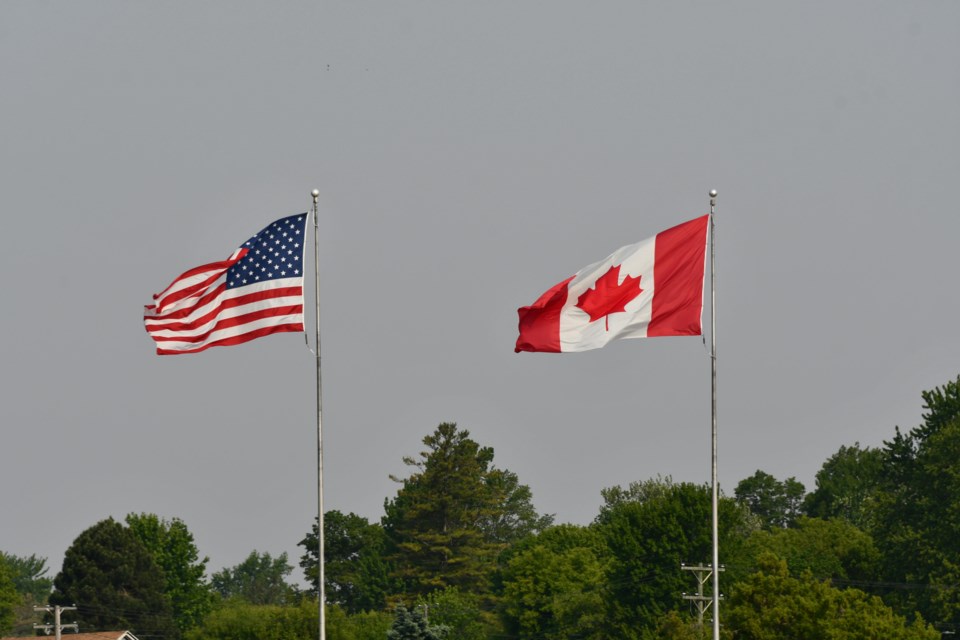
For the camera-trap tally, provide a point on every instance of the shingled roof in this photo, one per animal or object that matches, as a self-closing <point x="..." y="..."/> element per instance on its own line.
<point x="96" y="635"/>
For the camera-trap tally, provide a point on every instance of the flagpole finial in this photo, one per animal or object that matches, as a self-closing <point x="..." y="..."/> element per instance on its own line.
<point x="713" y="198"/>
<point x="316" y="194"/>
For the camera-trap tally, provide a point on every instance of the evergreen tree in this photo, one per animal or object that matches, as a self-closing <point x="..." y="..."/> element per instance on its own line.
<point x="115" y="583"/>
<point x="453" y="516"/>
<point x="411" y="625"/>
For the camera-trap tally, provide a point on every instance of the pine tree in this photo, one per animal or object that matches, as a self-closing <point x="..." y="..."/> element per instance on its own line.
<point x="453" y="516"/>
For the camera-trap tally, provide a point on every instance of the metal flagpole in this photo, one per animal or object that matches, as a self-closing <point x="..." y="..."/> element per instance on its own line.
<point x="713" y="431"/>
<point x="321" y="590"/>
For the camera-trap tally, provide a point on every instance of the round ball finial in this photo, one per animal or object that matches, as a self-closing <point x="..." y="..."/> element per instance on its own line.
<point x="713" y="193"/>
<point x="315" y="193"/>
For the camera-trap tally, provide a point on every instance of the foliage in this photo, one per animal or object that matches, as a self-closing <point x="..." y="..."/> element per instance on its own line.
<point x="173" y="549"/>
<point x="356" y="573"/>
<point x="828" y="549"/>
<point x="776" y="503"/>
<point x="846" y="483"/>
<point x="29" y="575"/>
<point x="115" y="583"/>
<point x="9" y="598"/>
<point x="673" y="626"/>
<point x="239" y="620"/>
<point x="458" y="612"/>
<point x="648" y="542"/>
<point x="916" y="514"/>
<point x="412" y="625"/>
<point x="32" y="586"/>
<point x="453" y="516"/>
<point x="638" y="491"/>
<point x="553" y="585"/>
<point x="366" y="625"/>
<point x="259" y="579"/>
<point x="771" y="605"/>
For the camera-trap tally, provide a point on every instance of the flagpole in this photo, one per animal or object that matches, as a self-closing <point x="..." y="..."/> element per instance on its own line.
<point x="713" y="430"/>
<point x="321" y="590"/>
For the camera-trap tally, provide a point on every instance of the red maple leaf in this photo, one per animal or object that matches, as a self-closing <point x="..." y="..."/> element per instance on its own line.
<point x="608" y="296"/>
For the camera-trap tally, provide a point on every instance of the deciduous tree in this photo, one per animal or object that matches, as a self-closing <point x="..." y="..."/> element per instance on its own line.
<point x="772" y="605"/>
<point x="649" y="540"/>
<point x="356" y="573"/>
<point x="259" y="579"/>
<point x="845" y="485"/>
<point x="9" y="598"/>
<point x="554" y="585"/>
<point x="172" y="547"/>
<point x="776" y="503"/>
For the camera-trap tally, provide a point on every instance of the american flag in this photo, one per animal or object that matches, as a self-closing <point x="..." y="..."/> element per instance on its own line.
<point x="255" y="292"/>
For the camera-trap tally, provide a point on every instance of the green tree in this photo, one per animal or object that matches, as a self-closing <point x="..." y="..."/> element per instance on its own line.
<point x="776" y="503"/>
<point x="33" y="586"/>
<point x="115" y="583"/>
<point x="453" y="515"/>
<point x="173" y="549"/>
<point x="649" y="540"/>
<point x="828" y="549"/>
<point x="9" y="598"/>
<point x="916" y="517"/>
<point x="553" y="585"/>
<point x="29" y="575"/>
<point x="845" y="485"/>
<point x="239" y="620"/>
<point x="771" y="605"/>
<point x="259" y="579"/>
<point x="412" y="625"/>
<point x="461" y="613"/>
<point x="356" y="573"/>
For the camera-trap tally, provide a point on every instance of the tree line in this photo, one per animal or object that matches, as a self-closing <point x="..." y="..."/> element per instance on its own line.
<point x="461" y="553"/>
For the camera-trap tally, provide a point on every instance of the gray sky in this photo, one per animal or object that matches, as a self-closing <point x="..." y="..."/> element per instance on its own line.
<point x="469" y="155"/>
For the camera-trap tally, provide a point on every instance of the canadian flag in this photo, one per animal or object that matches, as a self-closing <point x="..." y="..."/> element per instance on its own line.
<point x="651" y="288"/>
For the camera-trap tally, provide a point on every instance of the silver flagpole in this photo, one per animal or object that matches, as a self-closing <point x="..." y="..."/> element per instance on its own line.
<point x="321" y="589"/>
<point x="713" y="431"/>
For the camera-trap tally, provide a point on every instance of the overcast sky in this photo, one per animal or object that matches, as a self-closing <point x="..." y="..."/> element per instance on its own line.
<point x="469" y="156"/>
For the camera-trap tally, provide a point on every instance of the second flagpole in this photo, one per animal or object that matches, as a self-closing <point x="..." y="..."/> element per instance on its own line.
<point x="321" y="595"/>
<point x="713" y="430"/>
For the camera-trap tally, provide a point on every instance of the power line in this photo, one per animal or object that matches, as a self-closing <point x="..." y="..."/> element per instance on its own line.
<point x="56" y="626"/>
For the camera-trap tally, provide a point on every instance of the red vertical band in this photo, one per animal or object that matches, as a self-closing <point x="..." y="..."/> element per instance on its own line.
<point x="678" y="270"/>
<point x="540" y="322"/>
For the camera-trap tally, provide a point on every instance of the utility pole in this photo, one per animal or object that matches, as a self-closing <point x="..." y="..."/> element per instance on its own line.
<point x="700" y="601"/>
<point x="56" y="626"/>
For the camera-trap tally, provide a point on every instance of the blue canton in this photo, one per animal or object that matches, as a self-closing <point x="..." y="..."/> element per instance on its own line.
<point x="276" y="252"/>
